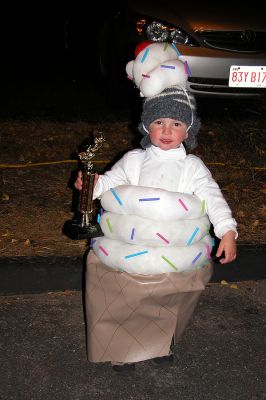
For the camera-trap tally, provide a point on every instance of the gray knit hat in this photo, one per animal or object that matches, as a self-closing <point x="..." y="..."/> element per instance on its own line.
<point x="173" y="102"/>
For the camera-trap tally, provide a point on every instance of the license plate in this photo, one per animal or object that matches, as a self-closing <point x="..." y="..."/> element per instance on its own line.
<point x="247" y="76"/>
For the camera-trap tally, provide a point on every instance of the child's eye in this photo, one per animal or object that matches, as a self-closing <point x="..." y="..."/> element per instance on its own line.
<point x="158" y="122"/>
<point x="178" y="124"/>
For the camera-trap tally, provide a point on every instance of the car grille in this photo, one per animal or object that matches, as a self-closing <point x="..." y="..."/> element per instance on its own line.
<point x="241" y="41"/>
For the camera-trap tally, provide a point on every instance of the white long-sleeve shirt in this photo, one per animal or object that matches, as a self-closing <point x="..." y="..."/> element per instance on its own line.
<point x="175" y="171"/>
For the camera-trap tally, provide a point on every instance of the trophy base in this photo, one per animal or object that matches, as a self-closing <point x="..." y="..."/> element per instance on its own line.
<point x="75" y="231"/>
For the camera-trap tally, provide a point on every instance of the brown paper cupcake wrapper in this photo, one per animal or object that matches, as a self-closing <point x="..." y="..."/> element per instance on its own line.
<point x="133" y="317"/>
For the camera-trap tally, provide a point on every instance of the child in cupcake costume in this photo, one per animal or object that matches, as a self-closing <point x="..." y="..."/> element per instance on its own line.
<point x="145" y="275"/>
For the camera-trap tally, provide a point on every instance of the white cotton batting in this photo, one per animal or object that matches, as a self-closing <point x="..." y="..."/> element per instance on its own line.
<point x="148" y="260"/>
<point x="133" y="229"/>
<point x="153" y="203"/>
<point x="153" y="231"/>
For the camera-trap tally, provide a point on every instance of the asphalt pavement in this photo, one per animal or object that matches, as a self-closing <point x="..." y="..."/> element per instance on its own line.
<point x="43" y="337"/>
<point x="221" y="355"/>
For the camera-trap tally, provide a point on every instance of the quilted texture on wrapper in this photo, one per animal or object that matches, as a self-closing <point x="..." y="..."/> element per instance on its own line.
<point x="133" y="317"/>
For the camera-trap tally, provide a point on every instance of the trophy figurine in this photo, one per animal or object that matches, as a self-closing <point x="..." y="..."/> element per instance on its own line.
<point x="82" y="226"/>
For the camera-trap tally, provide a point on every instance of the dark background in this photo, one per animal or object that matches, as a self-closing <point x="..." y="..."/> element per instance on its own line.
<point x="50" y="60"/>
<point x="41" y="41"/>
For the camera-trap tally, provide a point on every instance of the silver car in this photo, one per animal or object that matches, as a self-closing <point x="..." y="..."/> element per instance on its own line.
<point x="225" y="50"/>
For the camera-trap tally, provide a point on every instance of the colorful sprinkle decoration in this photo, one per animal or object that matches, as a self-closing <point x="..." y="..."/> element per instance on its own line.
<point x="197" y="257"/>
<point x="192" y="236"/>
<point x="132" y="233"/>
<point x="109" y="225"/>
<point x="187" y="69"/>
<point x="146" y="76"/>
<point x="150" y="199"/>
<point x="203" y="204"/>
<point x="165" y="46"/>
<point x="162" y="237"/>
<point x="116" y="196"/>
<point x="168" y="66"/>
<point x="103" y="250"/>
<point x="144" y="55"/>
<point x="182" y="204"/>
<point x="136" y="254"/>
<point x="176" y="49"/>
<point x="169" y="262"/>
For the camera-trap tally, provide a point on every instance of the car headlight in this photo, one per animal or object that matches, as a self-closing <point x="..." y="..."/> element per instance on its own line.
<point x="157" y="31"/>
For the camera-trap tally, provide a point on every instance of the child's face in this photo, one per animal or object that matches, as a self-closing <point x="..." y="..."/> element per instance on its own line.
<point x="167" y="133"/>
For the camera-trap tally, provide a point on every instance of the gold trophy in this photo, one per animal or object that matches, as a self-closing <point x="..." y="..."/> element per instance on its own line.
<point x="82" y="226"/>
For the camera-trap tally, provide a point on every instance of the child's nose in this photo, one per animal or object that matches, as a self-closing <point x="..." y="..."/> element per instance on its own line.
<point x="167" y="130"/>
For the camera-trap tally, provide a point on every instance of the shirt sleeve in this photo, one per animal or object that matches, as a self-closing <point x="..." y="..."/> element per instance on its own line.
<point x="218" y="210"/>
<point x="119" y="174"/>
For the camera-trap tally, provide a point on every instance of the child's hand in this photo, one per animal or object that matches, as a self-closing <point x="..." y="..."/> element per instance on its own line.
<point x="96" y="177"/>
<point x="78" y="181"/>
<point x="228" y="246"/>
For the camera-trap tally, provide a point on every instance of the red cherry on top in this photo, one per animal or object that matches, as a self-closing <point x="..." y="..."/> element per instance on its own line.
<point x="141" y="46"/>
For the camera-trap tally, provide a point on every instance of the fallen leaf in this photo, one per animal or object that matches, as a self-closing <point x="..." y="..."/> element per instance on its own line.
<point x="263" y="191"/>
<point x="256" y="223"/>
<point x="5" y="197"/>
<point x="27" y="242"/>
<point x="6" y="234"/>
<point x="234" y="286"/>
<point x="67" y="292"/>
<point x="240" y="214"/>
<point x="223" y="282"/>
<point x="14" y="241"/>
